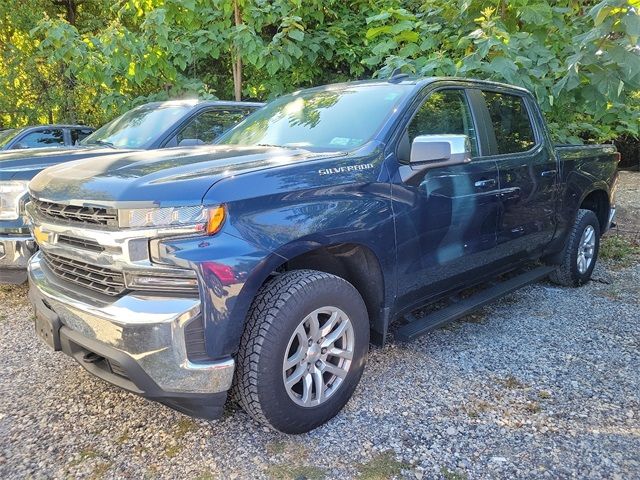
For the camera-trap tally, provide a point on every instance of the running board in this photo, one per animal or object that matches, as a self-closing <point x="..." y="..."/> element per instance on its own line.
<point x="459" y="309"/>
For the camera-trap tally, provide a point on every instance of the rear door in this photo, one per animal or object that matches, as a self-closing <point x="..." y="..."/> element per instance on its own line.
<point x="527" y="173"/>
<point x="445" y="216"/>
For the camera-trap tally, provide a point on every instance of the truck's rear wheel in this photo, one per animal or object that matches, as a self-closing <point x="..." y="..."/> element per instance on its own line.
<point x="303" y="350"/>
<point x="581" y="251"/>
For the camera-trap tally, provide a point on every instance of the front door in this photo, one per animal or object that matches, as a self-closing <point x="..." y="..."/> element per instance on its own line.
<point x="445" y="216"/>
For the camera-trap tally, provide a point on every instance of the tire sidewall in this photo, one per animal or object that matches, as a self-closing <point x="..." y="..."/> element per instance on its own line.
<point x="278" y="408"/>
<point x="589" y="218"/>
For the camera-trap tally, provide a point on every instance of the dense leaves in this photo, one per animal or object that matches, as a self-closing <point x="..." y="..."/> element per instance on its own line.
<point x="87" y="60"/>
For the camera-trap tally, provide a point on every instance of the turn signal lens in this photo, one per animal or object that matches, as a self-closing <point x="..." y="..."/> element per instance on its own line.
<point x="216" y="219"/>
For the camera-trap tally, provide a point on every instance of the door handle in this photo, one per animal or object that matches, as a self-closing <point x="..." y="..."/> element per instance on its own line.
<point x="485" y="183"/>
<point x="549" y="173"/>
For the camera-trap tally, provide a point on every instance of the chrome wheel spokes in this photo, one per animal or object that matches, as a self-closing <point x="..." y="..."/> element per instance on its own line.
<point x="586" y="249"/>
<point x="318" y="356"/>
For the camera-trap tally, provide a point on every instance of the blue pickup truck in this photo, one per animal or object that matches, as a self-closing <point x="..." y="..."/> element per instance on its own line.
<point x="147" y="127"/>
<point x="267" y="264"/>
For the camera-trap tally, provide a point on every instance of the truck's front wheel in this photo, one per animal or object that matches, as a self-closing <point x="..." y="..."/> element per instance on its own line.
<point x="303" y="350"/>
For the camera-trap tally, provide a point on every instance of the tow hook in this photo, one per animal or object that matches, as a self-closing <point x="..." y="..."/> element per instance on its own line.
<point x="91" y="357"/>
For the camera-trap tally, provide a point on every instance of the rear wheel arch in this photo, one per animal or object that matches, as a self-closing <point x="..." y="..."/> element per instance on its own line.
<point x="597" y="200"/>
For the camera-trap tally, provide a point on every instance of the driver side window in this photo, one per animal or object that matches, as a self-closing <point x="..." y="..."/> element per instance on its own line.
<point x="444" y="112"/>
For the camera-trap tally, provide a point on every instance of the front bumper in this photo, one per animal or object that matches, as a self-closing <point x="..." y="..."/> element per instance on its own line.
<point x="15" y="252"/>
<point x="136" y="341"/>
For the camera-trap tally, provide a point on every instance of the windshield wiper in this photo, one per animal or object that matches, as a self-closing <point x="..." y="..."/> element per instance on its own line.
<point x="268" y="145"/>
<point x="289" y="147"/>
<point x="103" y="142"/>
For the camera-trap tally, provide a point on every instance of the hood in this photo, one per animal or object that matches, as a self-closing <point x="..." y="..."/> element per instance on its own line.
<point x="169" y="177"/>
<point x="25" y="164"/>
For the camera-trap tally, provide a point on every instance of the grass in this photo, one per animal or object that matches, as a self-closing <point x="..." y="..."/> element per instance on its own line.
<point x="533" y="407"/>
<point x="124" y="437"/>
<point x="184" y="426"/>
<point x="206" y="475"/>
<point x="451" y="475"/>
<point x="99" y="471"/>
<point x="293" y="472"/>
<point x="512" y="383"/>
<point x="475" y="408"/>
<point x="544" y="394"/>
<point x="275" y="448"/>
<point x="172" y="450"/>
<point x="619" y="249"/>
<point x="86" y="454"/>
<point x="381" y="467"/>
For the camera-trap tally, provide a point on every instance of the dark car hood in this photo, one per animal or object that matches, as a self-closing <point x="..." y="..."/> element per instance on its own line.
<point x="25" y="164"/>
<point x="169" y="177"/>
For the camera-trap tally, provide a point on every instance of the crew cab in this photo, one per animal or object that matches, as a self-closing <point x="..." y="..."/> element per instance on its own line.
<point x="147" y="127"/>
<point x="268" y="263"/>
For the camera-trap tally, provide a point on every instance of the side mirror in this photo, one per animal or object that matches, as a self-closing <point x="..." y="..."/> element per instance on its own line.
<point x="190" y="142"/>
<point x="440" y="150"/>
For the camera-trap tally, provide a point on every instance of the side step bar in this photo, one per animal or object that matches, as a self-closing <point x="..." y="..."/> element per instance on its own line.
<point x="422" y="325"/>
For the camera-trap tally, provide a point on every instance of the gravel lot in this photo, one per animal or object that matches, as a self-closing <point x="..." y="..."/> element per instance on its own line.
<point x="544" y="383"/>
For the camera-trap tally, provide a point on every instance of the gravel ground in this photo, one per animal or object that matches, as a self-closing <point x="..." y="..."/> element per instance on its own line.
<point x="628" y="203"/>
<point x="544" y="383"/>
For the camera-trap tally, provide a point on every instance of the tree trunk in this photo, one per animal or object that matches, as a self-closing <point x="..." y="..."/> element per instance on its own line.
<point x="69" y="83"/>
<point x="235" y="57"/>
<point x="71" y="9"/>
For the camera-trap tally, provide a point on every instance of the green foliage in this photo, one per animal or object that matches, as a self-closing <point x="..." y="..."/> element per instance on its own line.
<point x="580" y="58"/>
<point x="582" y="61"/>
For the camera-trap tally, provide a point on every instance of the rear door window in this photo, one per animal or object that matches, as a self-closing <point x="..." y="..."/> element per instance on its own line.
<point x="78" y="134"/>
<point x="511" y="122"/>
<point x="52" y="137"/>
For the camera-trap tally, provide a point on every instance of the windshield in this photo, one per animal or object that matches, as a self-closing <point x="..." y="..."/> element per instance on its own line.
<point x="337" y="118"/>
<point x="138" y="127"/>
<point x="6" y="136"/>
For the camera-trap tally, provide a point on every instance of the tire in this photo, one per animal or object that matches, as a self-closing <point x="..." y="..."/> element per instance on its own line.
<point x="283" y="306"/>
<point x="569" y="273"/>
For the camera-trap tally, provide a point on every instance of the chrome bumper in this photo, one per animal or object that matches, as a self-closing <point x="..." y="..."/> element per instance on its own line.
<point x="15" y="252"/>
<point x="147" y="331"/>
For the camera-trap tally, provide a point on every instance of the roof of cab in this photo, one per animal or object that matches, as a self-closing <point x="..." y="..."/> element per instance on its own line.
<point x="197" y="102"/>
<point x="417" y="82"/>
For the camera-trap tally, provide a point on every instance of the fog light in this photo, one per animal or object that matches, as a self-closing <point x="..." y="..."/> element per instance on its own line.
<point x="161" y="282"/>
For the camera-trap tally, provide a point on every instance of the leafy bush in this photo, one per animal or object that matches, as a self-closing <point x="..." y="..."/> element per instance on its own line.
<point x="95" y="58"/>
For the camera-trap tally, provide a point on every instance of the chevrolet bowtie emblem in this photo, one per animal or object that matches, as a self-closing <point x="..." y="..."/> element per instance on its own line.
<point x="40" y="235"/>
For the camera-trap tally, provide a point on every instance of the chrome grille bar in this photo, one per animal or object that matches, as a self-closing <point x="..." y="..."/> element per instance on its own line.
<point x="73" y="213"/>
<point x="96" y="278"/>
<point x="83" y="243"/>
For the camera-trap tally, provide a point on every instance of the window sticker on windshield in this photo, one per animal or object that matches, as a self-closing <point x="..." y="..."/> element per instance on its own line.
<point x="341" y="141"/>
<point x="391" y="96"/>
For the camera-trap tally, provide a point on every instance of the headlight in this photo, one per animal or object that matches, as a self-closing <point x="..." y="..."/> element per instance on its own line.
<point x="202" y="219"/>
<point x="11" y="194"/>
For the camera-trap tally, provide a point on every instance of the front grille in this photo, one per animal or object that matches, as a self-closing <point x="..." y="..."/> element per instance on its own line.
<point x="83" y="243"/>
<point x="73" y="213"/>
<point x="100" y="279"/>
